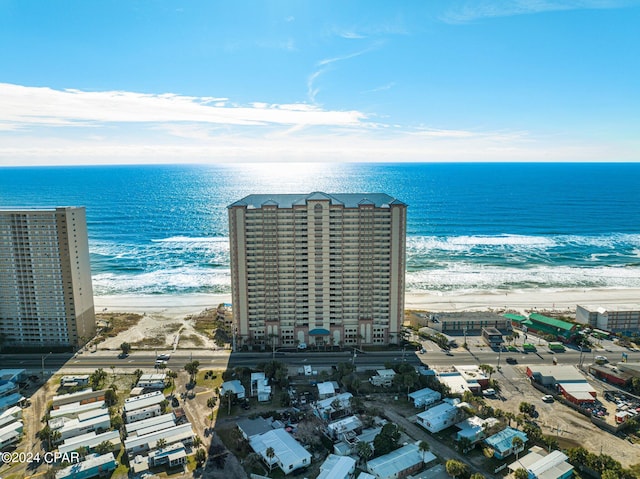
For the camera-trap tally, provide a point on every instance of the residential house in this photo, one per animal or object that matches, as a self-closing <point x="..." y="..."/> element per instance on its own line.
<point x="337" y="467"/>
<point x="502" y="442"/>
<point x="425" y="397"/>
<point x="234" y="387"/>
<point x="399" y="463"/>
<point x="542" y="465"/>
<point x="440" y="417"/>
<point x="260" y="387"/>
<point x="289" y="455"/>
<point x="333" y="406"/>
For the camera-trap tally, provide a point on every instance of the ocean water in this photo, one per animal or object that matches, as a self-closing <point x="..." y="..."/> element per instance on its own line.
<point x="162" y="229"/>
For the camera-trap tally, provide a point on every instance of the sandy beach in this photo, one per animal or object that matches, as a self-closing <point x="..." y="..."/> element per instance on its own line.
<point x="176" y="306"/>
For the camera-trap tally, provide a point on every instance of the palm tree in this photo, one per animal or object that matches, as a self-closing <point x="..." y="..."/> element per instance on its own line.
<point x="476" y="475"/>
<point x="364" y="451"/>
<point x="516" y="445"/>
<point x="270" y="453"/>
<point x="161" y="443"/>
<point x="464" y="444"/>
<point x="487" y="369"/>
<point x="424" y="447"/>
<point x="211" y="404"/>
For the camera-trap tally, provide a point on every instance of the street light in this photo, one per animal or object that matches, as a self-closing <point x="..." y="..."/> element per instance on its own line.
<point x="43" y="358"/>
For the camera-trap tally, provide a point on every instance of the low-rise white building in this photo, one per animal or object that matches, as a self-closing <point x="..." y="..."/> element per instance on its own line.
<point x="141" y="444"/>
<point x="326" y="390"/>
<point x="90" y="440"/>
<point x="440" y="417"/>
<point x="142" y="414"/>
<point x="74" y="409"/>
<point x="72" y="381"/>
<point x="163" y="421"/>
<point x="143" y="401"/>
<point x="260" y="387"/>
<point x="337" y="467"/>
<point x="289" y="454"/>
<point x="383" y="377"/>
<point x="425" y="397"/>
<point x="10" y="433"/>
<point x="97" y="420"/>
<point x="152" y="381"/>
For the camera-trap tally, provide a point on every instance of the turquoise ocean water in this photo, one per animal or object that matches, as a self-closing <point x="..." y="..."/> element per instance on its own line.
<point x="163" y="229"/>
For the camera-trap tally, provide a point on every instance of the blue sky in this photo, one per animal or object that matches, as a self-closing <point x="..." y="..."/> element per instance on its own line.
<point x="366" y="80"/>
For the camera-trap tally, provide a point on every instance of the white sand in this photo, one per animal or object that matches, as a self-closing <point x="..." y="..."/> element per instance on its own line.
<point x="165" y="309"/>
<point x="172" y="306"/>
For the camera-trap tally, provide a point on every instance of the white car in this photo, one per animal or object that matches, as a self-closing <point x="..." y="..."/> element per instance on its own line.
<point x="302" y="346"/>
<point x="489" y="392"/>
<point x="163" y="357"/>
<point x="547" y="398"/>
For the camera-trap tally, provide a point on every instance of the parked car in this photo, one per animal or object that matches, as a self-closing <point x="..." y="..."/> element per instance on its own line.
<point x="489" y="392"/>
<point x="547" y="398"/>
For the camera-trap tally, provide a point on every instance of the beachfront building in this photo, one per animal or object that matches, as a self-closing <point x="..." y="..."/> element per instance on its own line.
<point x="623" y="319"/>
<point x="546" y="326"/>
<point x="46" y="294"/>
<point x="471" y="322"/>
<point x="317" y="269"/>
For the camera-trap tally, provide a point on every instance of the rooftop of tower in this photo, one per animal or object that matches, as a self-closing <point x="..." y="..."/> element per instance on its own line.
<point x="348" y="200"/>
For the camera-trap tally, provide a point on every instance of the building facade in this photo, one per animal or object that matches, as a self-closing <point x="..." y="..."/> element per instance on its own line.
<point x="46" y="294"/>
<point x="623" y="319"/>
<point x="317" y="269"/>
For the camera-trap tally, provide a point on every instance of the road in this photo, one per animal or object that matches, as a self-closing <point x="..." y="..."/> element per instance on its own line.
<point x="88" y="362"/>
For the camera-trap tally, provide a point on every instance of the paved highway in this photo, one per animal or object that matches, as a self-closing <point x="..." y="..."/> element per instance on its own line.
<point x="222" y="359"/>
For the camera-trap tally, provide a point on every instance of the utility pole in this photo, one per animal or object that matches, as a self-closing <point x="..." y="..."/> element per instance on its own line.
<point x="43" y="358"/>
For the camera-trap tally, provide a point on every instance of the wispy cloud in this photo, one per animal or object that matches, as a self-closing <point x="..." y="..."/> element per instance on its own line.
<point x="468" y="11"/>
<point x="388" y="86"/>
<point x="324" y="64"/>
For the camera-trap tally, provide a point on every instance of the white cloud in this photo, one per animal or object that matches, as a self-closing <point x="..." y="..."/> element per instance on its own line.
<point x="25" y="107"/>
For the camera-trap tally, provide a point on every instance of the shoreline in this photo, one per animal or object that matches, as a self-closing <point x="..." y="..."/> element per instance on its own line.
<point x="561" y="300"/>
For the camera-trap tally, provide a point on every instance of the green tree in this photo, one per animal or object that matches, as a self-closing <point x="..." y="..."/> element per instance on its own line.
<point x="110" y="397"/>
<point x="97" y="378"/>
<point x="521" y="473"/>
<point x="103" y="448"/>
<point x="126" y="348"/>
<point x="161" y="443"/>
<point x="456" y="468"/>
<point x="476" y="475"/>
<point x="464" y="444"/>
<point x="200" y="457"/>
<point x="387" y="440"/>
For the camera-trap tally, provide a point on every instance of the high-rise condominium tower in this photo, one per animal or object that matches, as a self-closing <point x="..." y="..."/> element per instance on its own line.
<point x="46" y="296"/>
<point x="318" y="269"/>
